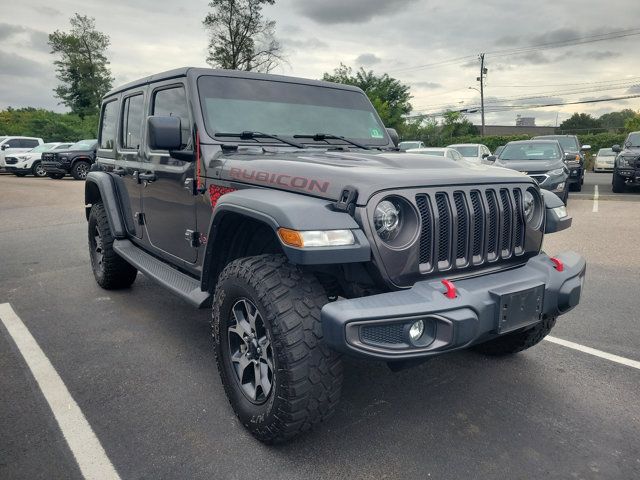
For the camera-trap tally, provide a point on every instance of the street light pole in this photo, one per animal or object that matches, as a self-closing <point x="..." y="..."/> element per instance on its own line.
<point x="483" y="72"/>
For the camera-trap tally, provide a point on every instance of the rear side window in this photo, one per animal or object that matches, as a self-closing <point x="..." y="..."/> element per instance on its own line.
<point x="132" y="113"/>
<point x="108" y="125"/>
<point x="29" y="143"/>
<point x="172" y="102"/>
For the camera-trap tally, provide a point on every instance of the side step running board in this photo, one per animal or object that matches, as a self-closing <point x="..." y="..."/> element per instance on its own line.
<point x="182" y="285"/>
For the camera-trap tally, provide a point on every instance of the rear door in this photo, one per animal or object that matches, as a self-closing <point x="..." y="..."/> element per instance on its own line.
<point x="167" y="189"/>
<point x="128" y="157"/>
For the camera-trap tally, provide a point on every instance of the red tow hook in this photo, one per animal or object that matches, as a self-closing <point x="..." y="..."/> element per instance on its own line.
<point x="451" y="292"/>
<point x="557" y="263"/>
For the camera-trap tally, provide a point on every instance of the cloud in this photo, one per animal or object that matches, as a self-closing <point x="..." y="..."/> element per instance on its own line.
<point x="634" y="89"/>
<point x="303" y="44"/>
<point x="426" y="85"/>
<point x="367" y="59"/>
<point x="14" y="65"/>
<point x="353" y="11"/>
<point x="7" y="30"/>
<point x="47" y="10"/>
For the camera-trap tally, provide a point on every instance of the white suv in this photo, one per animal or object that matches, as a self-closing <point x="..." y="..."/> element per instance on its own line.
<point x="12" y="145"/>
<point x="29" y="162"/>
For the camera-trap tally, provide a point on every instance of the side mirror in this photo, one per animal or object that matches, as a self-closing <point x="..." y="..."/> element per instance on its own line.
<point x="491" y="159"/>
<point x="4" y="147"/>
<point x="164" y="133"/>
<point x="485" y="155"/>
<point x="394" y="136"/>
<point x="586" y="147"/>
<point x="615" y="148"/>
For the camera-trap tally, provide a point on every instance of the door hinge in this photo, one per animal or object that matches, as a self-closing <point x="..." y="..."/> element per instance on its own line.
<point x="195" y="239"/>
<point x="139" y="216"/>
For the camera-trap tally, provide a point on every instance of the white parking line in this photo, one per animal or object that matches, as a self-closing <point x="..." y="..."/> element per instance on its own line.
<point x="596" y="195"/>
<point x="85" y="446"/>
<point x="592" y="351"/>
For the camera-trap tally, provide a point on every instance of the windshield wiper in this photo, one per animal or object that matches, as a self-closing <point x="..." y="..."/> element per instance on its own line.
<point x="328" y="136"/>
<point x="255" y="135"/>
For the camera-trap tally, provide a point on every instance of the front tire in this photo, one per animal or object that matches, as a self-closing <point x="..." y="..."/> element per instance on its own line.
<point x="38" y="170"/>
<point x="80" y="170"/>
<point x="518" y="341"/>
<point x="617" y="184"/>
<point x="279" y="376"/>
<point x="110" y="270"/>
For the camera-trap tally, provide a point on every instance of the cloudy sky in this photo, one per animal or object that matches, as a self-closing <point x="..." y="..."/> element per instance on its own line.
<point x="394" y="36"/>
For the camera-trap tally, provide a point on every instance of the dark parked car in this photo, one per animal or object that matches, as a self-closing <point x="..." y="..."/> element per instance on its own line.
<point x="626" y="170"/>
<point x="76" y="160"/>
<point x="228" y="189"/>
<point x="542" y="160"/>
<point x="571" y="144"/>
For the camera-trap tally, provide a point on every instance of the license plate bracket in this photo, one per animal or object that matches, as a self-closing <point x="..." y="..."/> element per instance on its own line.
<point x="520" y="309"/>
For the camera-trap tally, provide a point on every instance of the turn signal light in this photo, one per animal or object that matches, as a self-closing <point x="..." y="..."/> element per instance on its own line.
<point x="291" y="237"/>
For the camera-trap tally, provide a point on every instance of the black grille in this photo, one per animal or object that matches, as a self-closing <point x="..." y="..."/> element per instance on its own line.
<point x="384" y="334"/>
<point x="10" y="161"/>
<point x="463" y="228"/>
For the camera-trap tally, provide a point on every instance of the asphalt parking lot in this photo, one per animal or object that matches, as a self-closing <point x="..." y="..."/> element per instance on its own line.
<point x="139" y="365"/>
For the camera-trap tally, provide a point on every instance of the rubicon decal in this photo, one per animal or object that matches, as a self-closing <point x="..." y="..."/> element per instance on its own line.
<point x="280" y="179"/>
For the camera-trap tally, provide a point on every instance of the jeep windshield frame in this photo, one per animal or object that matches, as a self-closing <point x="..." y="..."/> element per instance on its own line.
<point x="286" y="109"/>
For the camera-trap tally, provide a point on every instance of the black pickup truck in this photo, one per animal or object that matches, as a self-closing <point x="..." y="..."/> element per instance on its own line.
<point x="76" y="160"/>
<point x="285" y="205"/>
<point x="626" y="169"/>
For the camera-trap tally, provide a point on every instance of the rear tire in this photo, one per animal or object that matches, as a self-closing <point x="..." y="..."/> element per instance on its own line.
<point x="80" y="170"/>
<point x="110" y="270"/>
<point x="280" y="340"/>
<point x="518" y="341"/>
<point x="617" y="184"/>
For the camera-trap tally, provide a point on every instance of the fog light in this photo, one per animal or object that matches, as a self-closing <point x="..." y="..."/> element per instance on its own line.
<point x="416" y="330"/>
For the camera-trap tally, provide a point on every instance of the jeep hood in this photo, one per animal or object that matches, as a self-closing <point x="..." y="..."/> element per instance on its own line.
<point x="325" y="174"/>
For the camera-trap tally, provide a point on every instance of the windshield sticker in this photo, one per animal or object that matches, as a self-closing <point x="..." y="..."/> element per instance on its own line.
<point x="375" y="133"/>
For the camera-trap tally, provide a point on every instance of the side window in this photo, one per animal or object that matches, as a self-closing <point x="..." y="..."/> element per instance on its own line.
<point x="14" y="143"/>
<point x="132" y="113"/>
<point x="172" y="102"/>
<point x="108" y="125"/>
<point x="28" y="143"/>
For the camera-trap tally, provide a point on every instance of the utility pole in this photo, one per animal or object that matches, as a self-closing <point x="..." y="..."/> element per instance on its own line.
<point x="483" y="73"/>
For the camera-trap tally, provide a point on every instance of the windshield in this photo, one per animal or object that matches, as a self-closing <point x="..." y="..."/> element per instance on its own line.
<point x="633" y="140"/>
<point x="437" y="153"/>
<point x="531" y="151"/>
<point x="569" y="144"/>
<point x="83" y="145"/>
<point x="606" y="152"/>
<point x="43" y="148"/>
<point x="235" y="105"/>
<point x="467" y="151"/>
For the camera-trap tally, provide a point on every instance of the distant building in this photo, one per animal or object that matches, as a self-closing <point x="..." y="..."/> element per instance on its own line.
<point x="525" y="121"/>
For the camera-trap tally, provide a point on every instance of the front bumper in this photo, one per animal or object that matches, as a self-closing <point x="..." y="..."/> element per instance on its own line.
<point x="54" y="167"/>
<point x="376" y="326"/>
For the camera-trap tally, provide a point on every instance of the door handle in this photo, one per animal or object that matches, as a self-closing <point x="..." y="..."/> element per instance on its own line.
<point x="147" y="177"/>
<point x="119" y="171"/>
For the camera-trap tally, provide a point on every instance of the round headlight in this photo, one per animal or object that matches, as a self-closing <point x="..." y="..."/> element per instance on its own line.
<point x="387" y="220"/>
<point x="529" y="206"/>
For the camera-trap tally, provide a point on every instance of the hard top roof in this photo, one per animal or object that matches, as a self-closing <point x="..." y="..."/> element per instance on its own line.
<point x="196" y="72"/>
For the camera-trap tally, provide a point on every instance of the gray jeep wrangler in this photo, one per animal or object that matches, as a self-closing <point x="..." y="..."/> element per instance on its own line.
<point x="285" y="205"/>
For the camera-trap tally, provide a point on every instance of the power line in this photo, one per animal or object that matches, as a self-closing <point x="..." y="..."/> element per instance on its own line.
<point x="630" y="79"/>
<point x="541" y="46"/>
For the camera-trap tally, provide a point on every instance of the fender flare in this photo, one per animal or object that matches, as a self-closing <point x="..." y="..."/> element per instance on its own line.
<point x="82" y="158"/>
<point x="276" y="209"/>
<point x="101" y="186"/>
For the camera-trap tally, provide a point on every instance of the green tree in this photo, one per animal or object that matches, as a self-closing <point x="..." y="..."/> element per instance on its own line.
<point x="633" y="124"/>
<point x="455" y="124"/>
<point x="389" y="96"/>
<point x="580" y="122"/>
<point x="240" y="38"/>
<point x="51" y="126"/>
<point x="615" y="120"/>
<point x="82" y="66"/>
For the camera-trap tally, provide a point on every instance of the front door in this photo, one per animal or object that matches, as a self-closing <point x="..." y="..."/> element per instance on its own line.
<point x="128" y="160"/>
<point x="167" y="192"/>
